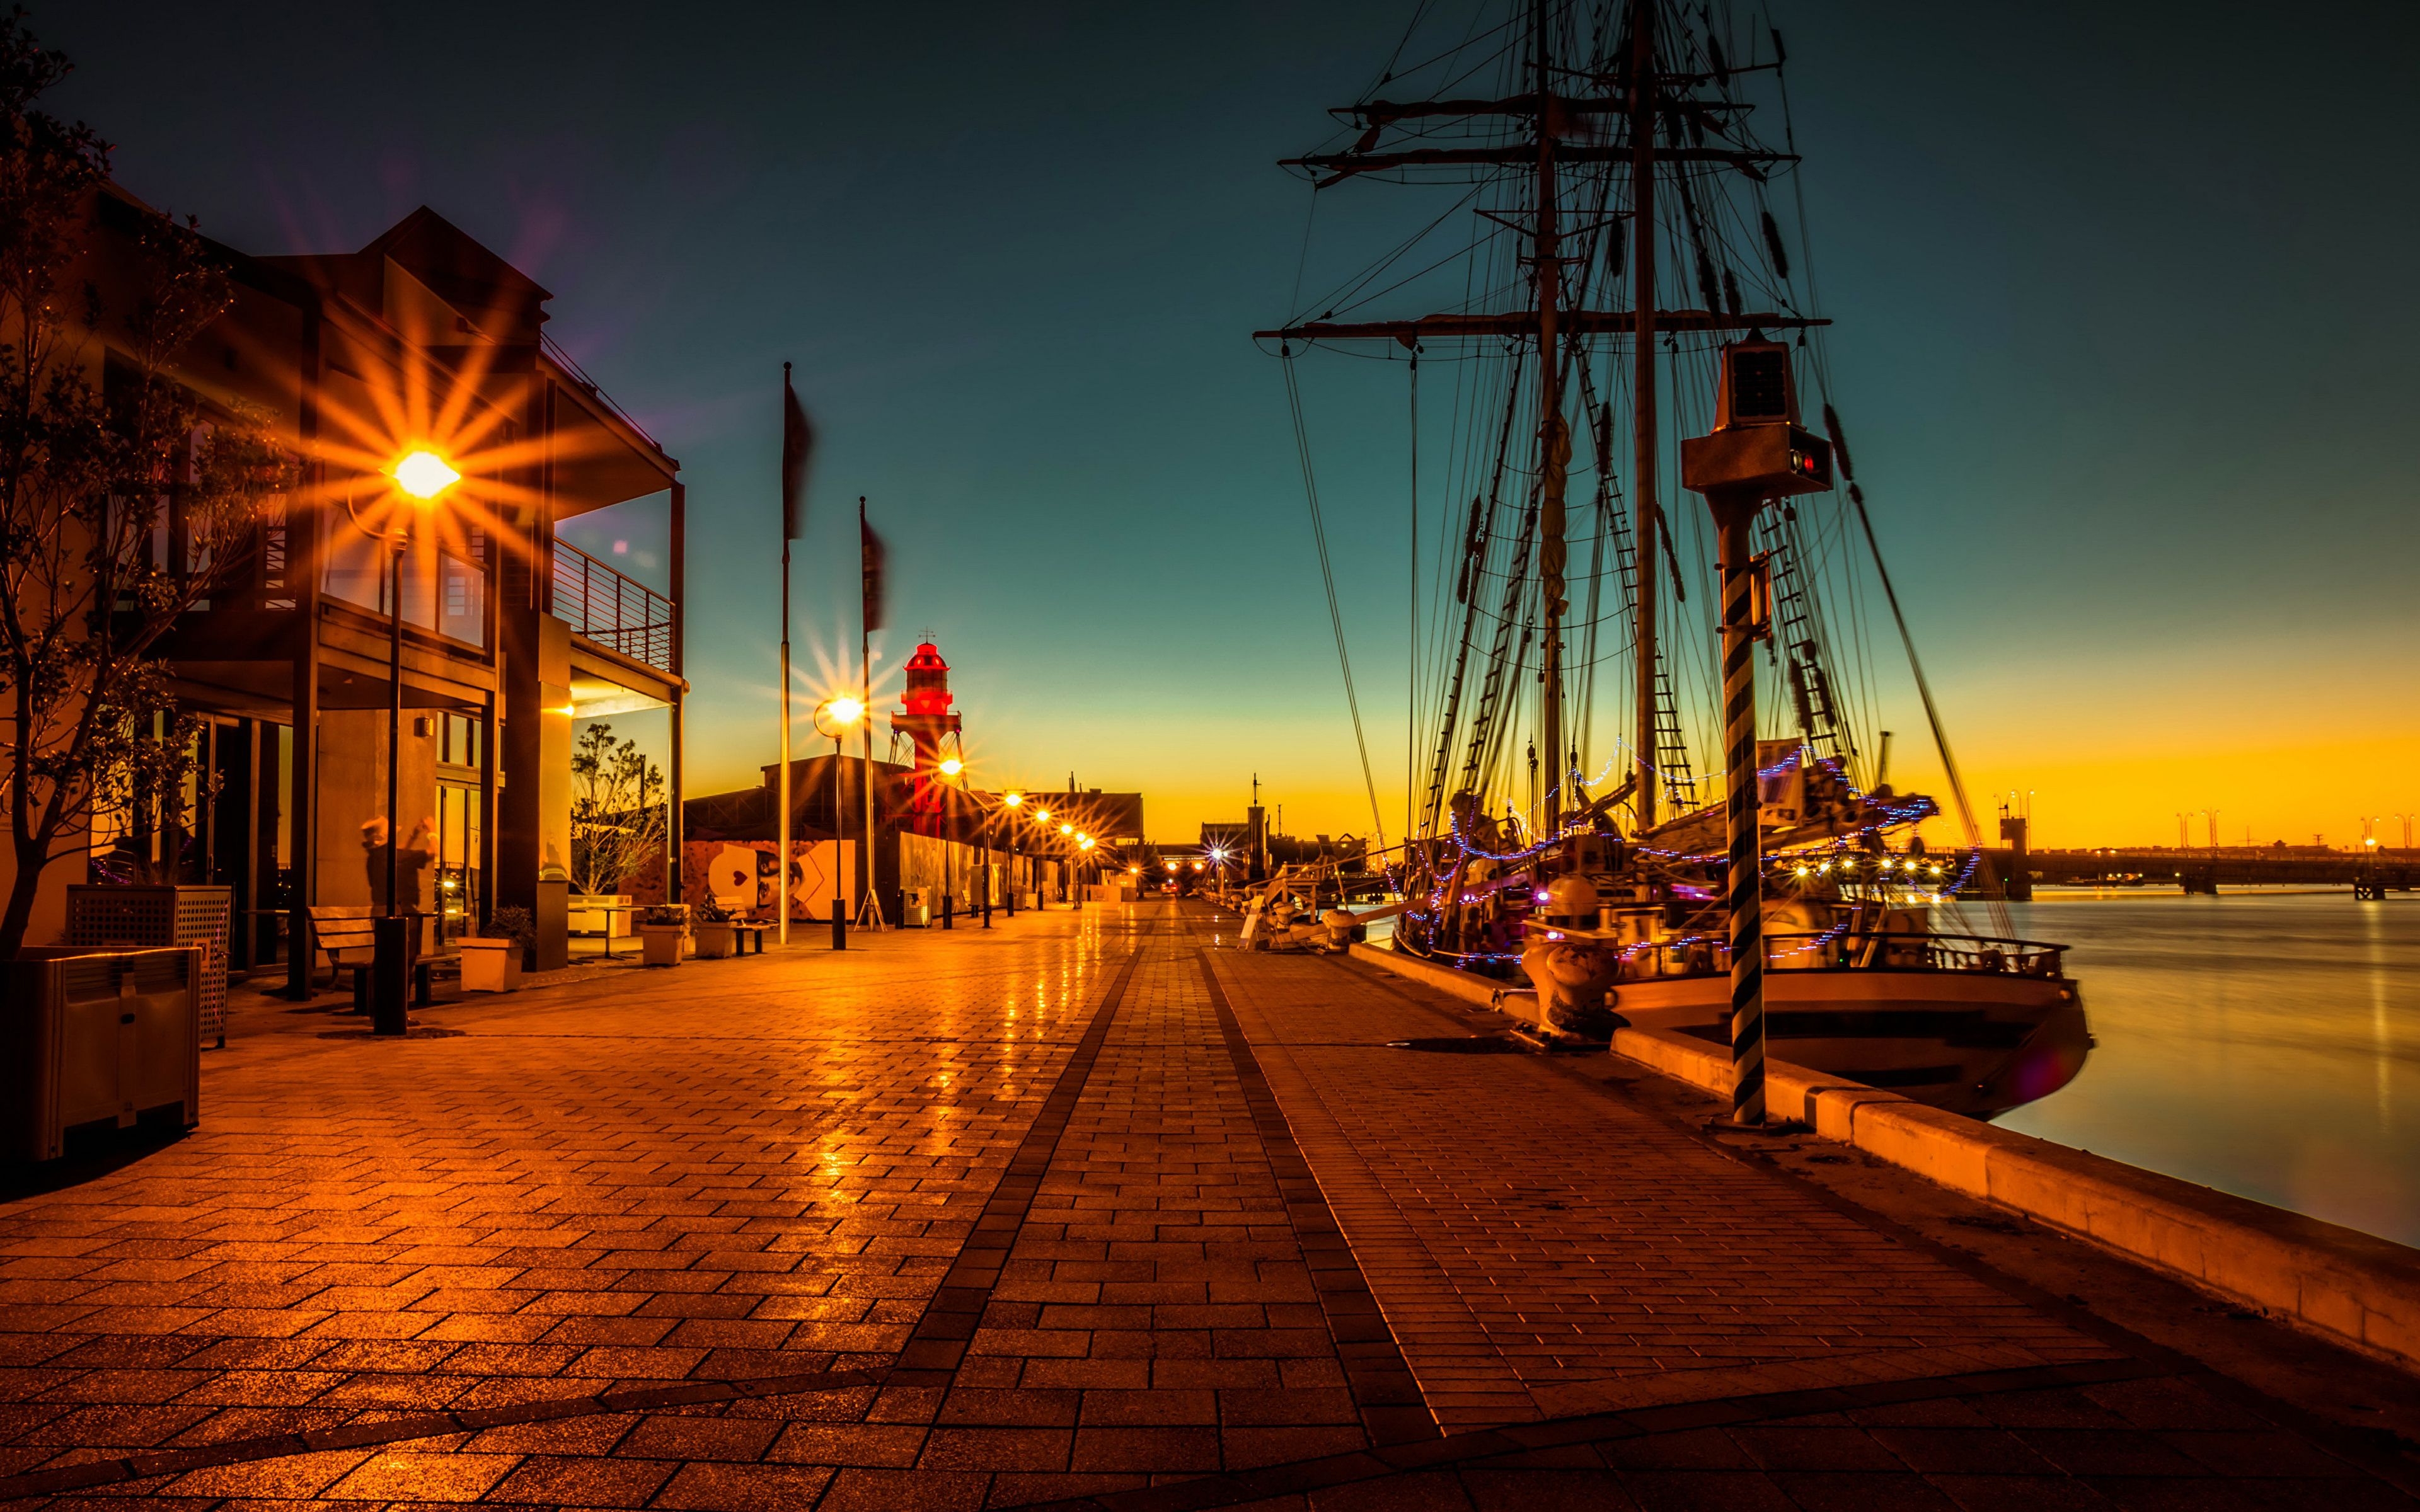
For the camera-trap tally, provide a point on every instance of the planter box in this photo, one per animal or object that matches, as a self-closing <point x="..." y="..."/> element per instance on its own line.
<point x="490" y="966"/>
<point x="715" y="941"/>
<point x="661" y="943"/>
<point x="97" y="1038"/>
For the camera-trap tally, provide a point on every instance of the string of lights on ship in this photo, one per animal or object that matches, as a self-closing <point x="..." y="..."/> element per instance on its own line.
<point x="1835" y="854"/>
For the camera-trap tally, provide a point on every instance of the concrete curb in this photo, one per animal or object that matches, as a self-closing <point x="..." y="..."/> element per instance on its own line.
<point x="1444" y="979"/>
<point x="2347" y="1286"/>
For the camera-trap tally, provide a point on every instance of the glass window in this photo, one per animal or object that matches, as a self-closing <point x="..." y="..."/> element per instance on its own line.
<point x="441" y="592"/>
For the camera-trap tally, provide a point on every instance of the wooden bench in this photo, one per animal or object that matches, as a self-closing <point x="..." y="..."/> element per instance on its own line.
<point x="346" y="934"/>
<point x="744" y="932"/>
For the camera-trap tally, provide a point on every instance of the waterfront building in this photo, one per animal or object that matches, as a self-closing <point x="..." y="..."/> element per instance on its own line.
<point x="422" y="339"/>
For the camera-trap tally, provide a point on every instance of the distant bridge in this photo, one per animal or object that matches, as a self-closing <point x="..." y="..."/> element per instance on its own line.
<point x="2205" y="870"/>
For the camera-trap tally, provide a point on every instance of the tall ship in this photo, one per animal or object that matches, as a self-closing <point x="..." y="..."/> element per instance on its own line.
<point x="1592" y="267"/>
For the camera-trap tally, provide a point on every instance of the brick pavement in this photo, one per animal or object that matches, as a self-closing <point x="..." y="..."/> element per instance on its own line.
<point x="1548" y="1253"/>
<point x="1063" y="1209"/>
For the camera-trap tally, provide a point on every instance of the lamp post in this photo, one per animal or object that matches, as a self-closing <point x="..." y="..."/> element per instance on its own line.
<point x="1041" y="822"/>
<point x="833" y="717"/>
<point x="1014" y="801"/>
<point x="1757" y="454"/>
<point x="950" y="769"/>
<point x="419" y="477"/>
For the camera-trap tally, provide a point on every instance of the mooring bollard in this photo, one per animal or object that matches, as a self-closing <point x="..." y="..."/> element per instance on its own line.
<point x="840" y="925"/>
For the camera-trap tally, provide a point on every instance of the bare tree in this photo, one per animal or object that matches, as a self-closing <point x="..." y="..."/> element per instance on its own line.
<point x="122" y="503"/>
<point x="617" y="810"/>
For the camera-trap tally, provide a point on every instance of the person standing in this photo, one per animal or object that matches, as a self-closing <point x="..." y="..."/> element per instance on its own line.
<point x="409" y="862"/>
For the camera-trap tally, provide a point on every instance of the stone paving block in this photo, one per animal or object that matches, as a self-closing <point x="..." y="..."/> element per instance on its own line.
<point x="585" y="1481"/>
<point x="435" y="1477"/>
<point x="666" y="1437"/>
<point x="732" y="1487"/>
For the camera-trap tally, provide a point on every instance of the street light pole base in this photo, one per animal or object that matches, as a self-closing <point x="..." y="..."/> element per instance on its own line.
<point x="390" y="975"/>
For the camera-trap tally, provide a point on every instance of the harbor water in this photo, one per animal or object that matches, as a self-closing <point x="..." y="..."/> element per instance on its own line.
<point x="2265" y="1044"/>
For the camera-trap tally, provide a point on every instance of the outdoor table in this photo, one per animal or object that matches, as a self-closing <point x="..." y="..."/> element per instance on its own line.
<point x="609" y="910"/>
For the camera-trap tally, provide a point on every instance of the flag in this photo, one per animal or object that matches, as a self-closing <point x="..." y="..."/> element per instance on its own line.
<point x="870" y="555"/>
<point x="798" y="444"/>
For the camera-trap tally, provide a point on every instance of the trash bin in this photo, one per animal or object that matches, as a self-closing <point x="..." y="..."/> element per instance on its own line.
<point x="98" y="1037"/>
<point x="916" y="908"/>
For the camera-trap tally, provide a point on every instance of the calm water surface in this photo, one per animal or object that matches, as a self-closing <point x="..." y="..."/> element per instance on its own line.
<point x="2265" y="1045"/>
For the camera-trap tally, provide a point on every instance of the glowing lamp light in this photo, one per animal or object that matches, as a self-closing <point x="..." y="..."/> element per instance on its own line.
<point x="1063" y="829"/>
<point x="953" y="767"/>
<point x="1086" y="844"/>
<point x="424" y="474"/>
<point x="845" y="711"/>
<point x="1172" y="866"/>
<point x="1197" y="866"/>
<point x="1013" y="800"/>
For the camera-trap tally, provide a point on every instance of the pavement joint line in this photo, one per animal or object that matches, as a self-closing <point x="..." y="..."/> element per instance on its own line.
<point x="420" y="1425"/>
<point x="1301" y="1477"/>
<point x="935" y="1350"/>
<point x="1389" y="1397"/>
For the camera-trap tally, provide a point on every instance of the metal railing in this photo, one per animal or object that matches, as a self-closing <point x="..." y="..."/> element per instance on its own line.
<point x="1843" y="950"/>
<point x="619" y="613"/>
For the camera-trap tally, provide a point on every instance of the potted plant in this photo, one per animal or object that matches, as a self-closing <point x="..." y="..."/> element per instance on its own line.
<point x="519" y="926"/>
<point x="716" y="937"/>
<point x="490" y="963"/>
<point x="661" y="930"/>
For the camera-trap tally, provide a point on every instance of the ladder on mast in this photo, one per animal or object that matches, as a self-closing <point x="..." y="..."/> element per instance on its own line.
<point x="1671" y="754"/>
<point x="1798" y="644"/>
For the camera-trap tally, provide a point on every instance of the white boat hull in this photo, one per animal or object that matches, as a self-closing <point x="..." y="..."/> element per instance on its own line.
<point x="1972" y="1043"/>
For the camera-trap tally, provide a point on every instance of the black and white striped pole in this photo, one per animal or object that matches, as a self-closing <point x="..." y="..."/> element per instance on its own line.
<point x="1756" y="456"/>
<point x="1734" y="513"/>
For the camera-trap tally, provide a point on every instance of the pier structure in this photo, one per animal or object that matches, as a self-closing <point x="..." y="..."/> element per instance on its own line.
<point x="1091" y="1211"/>
<point x="2197" y="870"/>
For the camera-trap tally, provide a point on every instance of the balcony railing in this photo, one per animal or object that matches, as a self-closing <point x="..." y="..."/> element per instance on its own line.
<point x="617" y="612"/>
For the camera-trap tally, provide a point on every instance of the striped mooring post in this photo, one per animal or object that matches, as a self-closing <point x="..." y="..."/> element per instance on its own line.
<point x="1745" y="889"/>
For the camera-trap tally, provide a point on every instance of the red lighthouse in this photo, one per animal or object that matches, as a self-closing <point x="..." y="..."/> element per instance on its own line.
<point x="929" y="722"/>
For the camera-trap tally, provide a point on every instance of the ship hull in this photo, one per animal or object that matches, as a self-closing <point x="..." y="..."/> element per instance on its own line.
<point x="1969" y="1043"/>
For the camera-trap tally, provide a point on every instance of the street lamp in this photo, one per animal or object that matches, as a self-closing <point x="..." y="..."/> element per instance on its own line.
<point x="1014" y="801"/>
<point x="949" y="767"/>
<point x="419" y="476"/>
<point x="834" y="716"/>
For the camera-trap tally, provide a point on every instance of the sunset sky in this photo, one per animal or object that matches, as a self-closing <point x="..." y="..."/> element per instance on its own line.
<point x="2119" y="341"/>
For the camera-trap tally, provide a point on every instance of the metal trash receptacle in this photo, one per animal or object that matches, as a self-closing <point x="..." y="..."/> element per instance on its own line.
<point x="916" y="908"/>
<point x="95" y="1037"/>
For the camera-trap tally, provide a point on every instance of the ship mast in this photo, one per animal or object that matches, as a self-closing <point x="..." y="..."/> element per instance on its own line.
<point x="1554" y="438"/>
<point x="1642" y="389"/>
<point x="1394" y="138"/>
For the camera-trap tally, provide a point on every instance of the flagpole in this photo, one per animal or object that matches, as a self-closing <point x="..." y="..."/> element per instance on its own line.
<point x="782" y="870"/>
<point x="872" y="904"/>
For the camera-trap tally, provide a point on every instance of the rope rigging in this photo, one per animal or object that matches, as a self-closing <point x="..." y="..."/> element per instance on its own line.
<point x="1328" y="578"/>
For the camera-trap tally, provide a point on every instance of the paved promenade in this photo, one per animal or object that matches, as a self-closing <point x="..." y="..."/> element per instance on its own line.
<point x="1089" y="1209"/>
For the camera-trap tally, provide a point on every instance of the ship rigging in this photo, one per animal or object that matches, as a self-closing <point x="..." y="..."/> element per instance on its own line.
<point x="1607" y="157"/>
